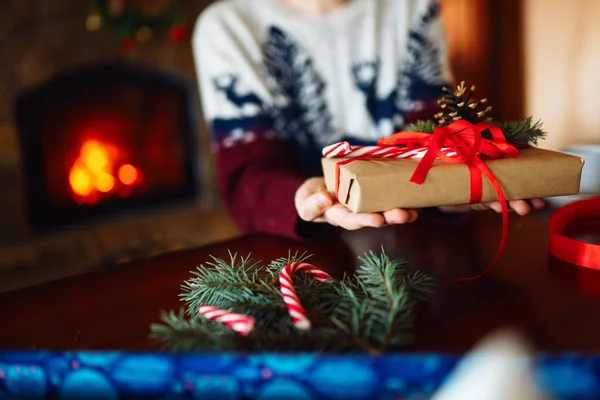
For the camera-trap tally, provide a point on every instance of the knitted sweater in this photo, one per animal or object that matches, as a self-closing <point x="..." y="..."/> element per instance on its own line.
<point x="277" y="85"/>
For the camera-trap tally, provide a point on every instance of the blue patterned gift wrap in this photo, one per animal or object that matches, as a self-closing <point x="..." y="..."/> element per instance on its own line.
<point x="116" y="375"/>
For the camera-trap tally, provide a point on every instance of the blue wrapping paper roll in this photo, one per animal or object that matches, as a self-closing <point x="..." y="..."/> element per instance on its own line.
<point x="116" y="375"/>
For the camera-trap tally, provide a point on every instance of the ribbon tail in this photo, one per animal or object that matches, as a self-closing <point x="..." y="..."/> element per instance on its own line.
<point x="423" y="167"/>
<point x="502" y="199"/>
<point x="476" y="182"/>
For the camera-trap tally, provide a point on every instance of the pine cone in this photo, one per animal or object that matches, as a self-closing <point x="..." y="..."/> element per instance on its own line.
<point x="460" y="105"/>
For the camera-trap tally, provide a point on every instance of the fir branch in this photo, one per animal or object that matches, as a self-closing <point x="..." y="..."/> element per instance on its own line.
<point x="277" y="265"/>
<point x="195" y="334"/>
<point x="385" y="281"/>
<point x="226" y="284"/>
<point x="525" y="132"/>
<point x="421" y="286"/>
<point x="373" y="311"/>
<point x="427" y="126"/>
<point x="522" y="132"/>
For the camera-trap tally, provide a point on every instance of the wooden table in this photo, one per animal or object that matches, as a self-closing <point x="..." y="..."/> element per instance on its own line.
<point x="556" y="304"/>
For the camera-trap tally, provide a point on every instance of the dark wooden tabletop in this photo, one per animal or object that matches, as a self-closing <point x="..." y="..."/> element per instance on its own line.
<point x="555" y="304"/>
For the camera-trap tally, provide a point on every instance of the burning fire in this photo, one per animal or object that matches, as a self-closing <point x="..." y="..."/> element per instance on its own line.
<point x="96" y="171"/>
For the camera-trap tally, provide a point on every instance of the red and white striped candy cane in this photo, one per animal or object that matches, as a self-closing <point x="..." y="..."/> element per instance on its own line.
<point x="345" y="150"/>
<point x="290" y="297"/>
<point x="240" y="323"/>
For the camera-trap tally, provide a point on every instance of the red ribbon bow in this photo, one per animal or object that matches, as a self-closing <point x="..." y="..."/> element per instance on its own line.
<point x="465" y="140"/>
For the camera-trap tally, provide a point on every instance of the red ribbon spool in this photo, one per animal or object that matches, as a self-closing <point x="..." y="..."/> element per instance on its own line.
<point x="571" y="250"/>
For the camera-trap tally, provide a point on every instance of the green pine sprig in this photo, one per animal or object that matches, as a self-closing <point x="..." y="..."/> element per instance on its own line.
<point x="524" y="132"/>
<point x="374" y="311"/>
<point x="425" y="126"/>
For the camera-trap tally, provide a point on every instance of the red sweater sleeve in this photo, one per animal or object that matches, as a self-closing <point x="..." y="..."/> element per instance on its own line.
<point x="258" y="181"/>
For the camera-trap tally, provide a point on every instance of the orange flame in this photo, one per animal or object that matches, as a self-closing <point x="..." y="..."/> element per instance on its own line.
<point x="92" y="173"/>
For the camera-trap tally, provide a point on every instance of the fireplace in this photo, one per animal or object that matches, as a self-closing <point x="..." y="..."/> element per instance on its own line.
<point x="106" y="139"/>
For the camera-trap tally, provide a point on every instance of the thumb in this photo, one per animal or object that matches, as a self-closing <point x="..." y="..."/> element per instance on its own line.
<point x="315" y="205"/>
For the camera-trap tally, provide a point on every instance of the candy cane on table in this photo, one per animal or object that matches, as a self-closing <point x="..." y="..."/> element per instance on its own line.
<point x="345" y="150"/>
<point x="290" y="297"/>
<point x="240" y="323"/>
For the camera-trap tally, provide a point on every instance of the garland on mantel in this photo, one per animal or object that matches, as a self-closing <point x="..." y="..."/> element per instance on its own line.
<point x="137" y="21"/>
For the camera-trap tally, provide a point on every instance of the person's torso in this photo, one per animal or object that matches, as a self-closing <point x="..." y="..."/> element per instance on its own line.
<point x="357" y="74"/>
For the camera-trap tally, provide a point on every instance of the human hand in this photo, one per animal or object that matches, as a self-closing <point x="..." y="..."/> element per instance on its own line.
<point x="521" y="207"/>
<point x="315" y="204"/>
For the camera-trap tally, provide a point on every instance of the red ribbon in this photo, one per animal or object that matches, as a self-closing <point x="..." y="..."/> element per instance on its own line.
<point x="571" y="250"/>
<point x="466" y="140"/>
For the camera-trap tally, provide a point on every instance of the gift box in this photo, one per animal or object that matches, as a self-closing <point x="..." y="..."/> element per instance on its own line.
<point x="462" y="156"/>
<point x="380" y="184"/>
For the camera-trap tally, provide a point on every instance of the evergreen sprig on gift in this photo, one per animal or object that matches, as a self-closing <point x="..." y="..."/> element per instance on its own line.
<point x="522" y="132"/>
<point x="374" y="311"/>
<point x="461" y="104"/>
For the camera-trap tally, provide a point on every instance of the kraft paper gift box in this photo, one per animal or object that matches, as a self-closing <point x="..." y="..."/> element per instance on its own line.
<point x="377" y="185"/>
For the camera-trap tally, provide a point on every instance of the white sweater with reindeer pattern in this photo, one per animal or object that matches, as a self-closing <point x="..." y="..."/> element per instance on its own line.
<point x="277" y="84"/>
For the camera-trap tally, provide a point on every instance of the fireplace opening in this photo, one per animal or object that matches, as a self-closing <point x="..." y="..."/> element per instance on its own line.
<point x="106" y="139"/>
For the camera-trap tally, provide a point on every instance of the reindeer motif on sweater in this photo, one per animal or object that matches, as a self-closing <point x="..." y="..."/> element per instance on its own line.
<point x="298" y="111"/>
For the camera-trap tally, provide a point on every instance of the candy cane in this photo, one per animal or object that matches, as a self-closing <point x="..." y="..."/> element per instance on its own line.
<point x="290" y="297"/>
<point x="240" y="323"/>
<point x="345" y="150"/>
